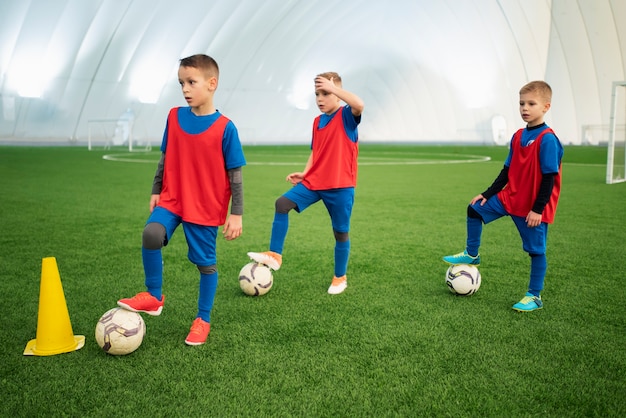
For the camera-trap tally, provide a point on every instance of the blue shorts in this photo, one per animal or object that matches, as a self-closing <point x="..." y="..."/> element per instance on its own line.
<point x="533" y="239"/>
<point x="200" y="239"/>
<point x="338" y="202"/>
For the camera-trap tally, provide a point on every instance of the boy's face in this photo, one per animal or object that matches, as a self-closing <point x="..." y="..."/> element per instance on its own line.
<point x="326" y="102"/>
<point x="196" y="87"/>
<point x="532" y="108"/>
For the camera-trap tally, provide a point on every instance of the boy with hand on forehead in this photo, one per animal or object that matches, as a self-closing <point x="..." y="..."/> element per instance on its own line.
<point x="198" y="175"/>
<point x="329" y="175"/>
<point x="527" y="190"/>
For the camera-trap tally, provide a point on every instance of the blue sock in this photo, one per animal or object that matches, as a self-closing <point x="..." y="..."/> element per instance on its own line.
<point x="153" y="269"/>
<point x="279" y="232"/>
<point x="342" y="253"/>
<point x="208" y="288"/>
<point x="474" y="233"/>
<point x="538" y="268"/>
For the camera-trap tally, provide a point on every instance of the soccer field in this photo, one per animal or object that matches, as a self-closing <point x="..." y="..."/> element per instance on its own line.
<point x="395" y="343"/>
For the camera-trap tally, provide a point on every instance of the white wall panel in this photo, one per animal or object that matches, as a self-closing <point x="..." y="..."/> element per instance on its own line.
<point x="428" y="71"/>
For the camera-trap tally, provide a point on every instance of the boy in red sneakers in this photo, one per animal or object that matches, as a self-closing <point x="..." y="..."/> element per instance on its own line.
<point x="527" y="190"/>
<point x="199" y="173"/>
<point x="329" y="175"/>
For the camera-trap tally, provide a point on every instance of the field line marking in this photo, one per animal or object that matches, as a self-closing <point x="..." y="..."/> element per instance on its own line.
<point x="403" y="161"/>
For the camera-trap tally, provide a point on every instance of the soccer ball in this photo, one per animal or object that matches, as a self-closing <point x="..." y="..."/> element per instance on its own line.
<point x="255" y="279"/>
<point x="119" y="331"/>
<point x="463" y="279"/>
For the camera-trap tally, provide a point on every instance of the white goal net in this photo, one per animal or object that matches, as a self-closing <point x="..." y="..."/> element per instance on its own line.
<point x="616" y="154"/>
<point x="107" y="133"/>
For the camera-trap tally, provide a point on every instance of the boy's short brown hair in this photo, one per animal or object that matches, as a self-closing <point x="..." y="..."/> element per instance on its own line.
<point x="331" y="74"/>
<point x="542" y="88"/>
<point x="203" y="63"/>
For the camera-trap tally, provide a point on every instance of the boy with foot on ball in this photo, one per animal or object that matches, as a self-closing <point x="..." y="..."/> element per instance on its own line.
<point x="527" y="190"/>
<point x="199" y="173"/>
<point x="329" y="175"/>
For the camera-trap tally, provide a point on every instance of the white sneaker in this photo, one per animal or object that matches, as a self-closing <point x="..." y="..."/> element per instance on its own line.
<point x="338" y="285"/>
<point x="269" y="258"/>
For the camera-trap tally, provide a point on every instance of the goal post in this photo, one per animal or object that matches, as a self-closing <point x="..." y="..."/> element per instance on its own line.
<point x="616" y="152"/>
<point x="115" y="132"/>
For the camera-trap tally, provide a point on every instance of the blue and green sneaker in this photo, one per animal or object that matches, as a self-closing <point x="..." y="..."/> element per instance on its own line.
<point x="462" y="258"/>
<point x="529" y="303"/>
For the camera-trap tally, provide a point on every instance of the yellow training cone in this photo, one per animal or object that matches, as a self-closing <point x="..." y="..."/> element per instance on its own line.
<point x="54" y="330"/>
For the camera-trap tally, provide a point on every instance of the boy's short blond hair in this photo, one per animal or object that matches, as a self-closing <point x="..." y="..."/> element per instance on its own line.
<point x="539" y="87"/>
<point x="203" y="63"/>
<point x="331" y="74"/>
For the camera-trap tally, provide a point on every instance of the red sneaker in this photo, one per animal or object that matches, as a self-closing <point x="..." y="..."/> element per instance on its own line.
<point x="199" y="332"/>
<point x="143" y="302"/>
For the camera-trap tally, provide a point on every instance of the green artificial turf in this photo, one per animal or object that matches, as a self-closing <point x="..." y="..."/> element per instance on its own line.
<point x="396" y="343"/>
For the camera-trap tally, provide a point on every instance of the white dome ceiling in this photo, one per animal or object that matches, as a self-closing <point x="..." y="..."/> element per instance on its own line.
<point x="428" y="71"/>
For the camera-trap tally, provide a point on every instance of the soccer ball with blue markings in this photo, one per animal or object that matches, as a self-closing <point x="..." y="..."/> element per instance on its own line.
<point x="463" y="279"/>
<point x="255" y="279"/>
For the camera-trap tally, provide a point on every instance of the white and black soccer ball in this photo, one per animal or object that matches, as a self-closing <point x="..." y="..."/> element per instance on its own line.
<point x="119" y="331"/>
<point x="255" y="279"/>
<point x="463" y="279"/>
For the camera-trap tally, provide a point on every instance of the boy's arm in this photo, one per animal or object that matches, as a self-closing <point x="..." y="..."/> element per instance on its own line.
<point x="298" y="176"/>
<point x="234" y="224"/>
<point x="498" y="184"/>
<point x="550" y="163"/>
<point x="157" y="183"/>
<point x="236" y="188"/>
<point x="545" y="191"/>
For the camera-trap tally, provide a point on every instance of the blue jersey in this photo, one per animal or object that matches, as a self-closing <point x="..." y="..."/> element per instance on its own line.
<point x="551" y="151"/>
<point x="350" y="122"/>
<point x="192" y="124"/>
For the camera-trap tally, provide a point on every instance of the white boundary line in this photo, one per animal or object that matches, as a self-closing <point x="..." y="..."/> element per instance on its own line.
<point x="403" y="161"/>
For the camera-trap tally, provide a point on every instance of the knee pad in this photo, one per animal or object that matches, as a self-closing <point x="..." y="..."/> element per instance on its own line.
<point x="471" y="213"/>
<point x="154" y="236"/>
<point x="341" y="236"/>
<point x="284" y="205"/>
<point x="207" y="269"/>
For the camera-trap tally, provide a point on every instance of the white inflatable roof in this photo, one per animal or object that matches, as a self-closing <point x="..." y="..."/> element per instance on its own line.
<point x="428" y="71"/>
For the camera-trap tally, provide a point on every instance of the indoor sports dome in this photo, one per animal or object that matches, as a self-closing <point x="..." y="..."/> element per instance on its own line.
<point x="444" y="71"/>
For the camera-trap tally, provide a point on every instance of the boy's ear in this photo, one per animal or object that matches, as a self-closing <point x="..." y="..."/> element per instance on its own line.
<point x="212" y="83"/>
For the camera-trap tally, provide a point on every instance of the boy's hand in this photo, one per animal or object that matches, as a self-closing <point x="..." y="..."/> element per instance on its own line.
<point x="233" y="227"/>
<point x="154" y="201"/>
<point x="477" y="198"/>
<point x="295" y="178"/>
<point x="533" y="219"/>
<point x="324" y="84"/>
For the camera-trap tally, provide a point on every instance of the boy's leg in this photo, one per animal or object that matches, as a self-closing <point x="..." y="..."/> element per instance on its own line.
<point x="477" y="214"/>
<point x="201" y="241"/>
<point x="474" y="232"/>
<point x="339" y="204"/>
<point x="298" y="198"/>
<point x="280" y="225"/>
<point x="161" y="225"/>
<point x="208" y="288"/>
<point x="342" y="254"/>
<point x="538" y="268"/>
<point x="153" y="271"/>
<point x="201" y="326"/>
<point x="474" y="228"/>
<point x="534" y="243"/>
<point x="273" y="258"/>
